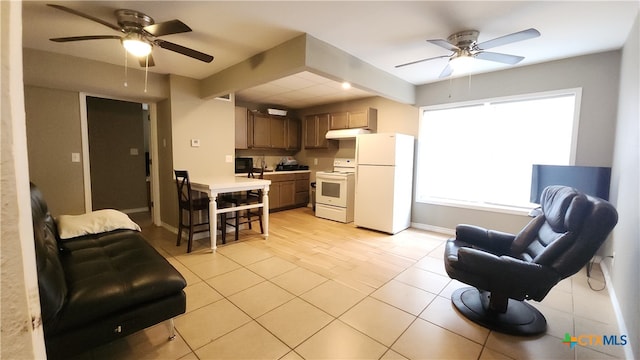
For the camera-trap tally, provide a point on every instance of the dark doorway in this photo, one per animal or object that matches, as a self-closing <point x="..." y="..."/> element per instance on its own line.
<point x="117" y="154"/>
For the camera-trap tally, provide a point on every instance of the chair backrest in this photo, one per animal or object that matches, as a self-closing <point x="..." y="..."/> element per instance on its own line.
<point x="251" y="175"/>
<point x="184" y="188"/>
<point x="570" y="230"/>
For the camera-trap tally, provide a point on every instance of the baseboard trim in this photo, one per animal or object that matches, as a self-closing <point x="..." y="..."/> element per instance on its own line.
<point x="438" y="229"/>
<point x="622" y="327"/>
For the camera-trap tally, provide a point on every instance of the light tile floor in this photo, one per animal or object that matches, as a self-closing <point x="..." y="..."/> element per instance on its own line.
<point x="318" y="289"/>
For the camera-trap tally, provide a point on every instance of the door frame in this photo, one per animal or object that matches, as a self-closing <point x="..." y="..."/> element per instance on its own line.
<point x="153" y="152"/>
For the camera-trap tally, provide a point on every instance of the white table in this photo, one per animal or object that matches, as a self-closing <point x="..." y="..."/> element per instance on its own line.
<point x="215" y="185"/>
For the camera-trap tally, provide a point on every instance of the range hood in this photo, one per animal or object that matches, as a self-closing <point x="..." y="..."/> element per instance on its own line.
<point x="345" y="134"/>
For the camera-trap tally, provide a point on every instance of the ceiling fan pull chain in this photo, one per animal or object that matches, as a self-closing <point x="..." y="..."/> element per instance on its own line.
<point x="125" y="69"/>
<point x="146" y="73"/>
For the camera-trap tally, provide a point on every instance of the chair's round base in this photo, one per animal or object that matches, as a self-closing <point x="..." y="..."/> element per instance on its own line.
<point x="519" y="319"/>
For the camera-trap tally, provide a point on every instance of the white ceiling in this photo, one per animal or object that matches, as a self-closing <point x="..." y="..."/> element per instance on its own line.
<point x="381" y="33"/>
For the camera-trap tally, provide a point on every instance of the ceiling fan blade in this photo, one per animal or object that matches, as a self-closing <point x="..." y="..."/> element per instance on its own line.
<point x="88" y="37"/>
<point x="86" y="16"/>
<point x="184" y="50"/>
<point x="498" y="57"/>
<point x="448" y="70"/>
<point x="143" y="61"/>
<point x="508" y="39"/>
<point x="422" y="60"/>
<point x="167" y="28"/>
<point x="444" y="43"/>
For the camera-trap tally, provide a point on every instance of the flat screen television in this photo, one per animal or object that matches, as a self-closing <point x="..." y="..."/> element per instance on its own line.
<point x="591" y="180"/>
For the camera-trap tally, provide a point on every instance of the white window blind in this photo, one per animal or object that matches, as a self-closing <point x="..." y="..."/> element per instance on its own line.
<point x="482" y="153"/>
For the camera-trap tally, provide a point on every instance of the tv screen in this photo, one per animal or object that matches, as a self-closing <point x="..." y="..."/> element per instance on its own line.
<point x="590" y="180"/>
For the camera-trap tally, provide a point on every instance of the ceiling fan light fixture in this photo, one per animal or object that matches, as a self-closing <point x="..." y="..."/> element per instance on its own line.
<point x="461" y="64"/>
<point x="136" y="45"/>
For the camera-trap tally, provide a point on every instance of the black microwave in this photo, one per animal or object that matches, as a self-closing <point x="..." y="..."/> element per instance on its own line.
<point x="244" y="165"/>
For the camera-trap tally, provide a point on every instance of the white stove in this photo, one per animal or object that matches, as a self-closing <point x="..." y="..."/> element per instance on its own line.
<point x="335" y="191"/>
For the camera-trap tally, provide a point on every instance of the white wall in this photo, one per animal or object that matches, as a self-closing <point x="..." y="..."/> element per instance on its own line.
<point x="21" y="335"/>
<point x="625" y="190"/>
<point x="597" y="75"/>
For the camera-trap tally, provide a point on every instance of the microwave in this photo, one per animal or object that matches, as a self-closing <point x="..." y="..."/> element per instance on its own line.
<point x="244" y="165"/>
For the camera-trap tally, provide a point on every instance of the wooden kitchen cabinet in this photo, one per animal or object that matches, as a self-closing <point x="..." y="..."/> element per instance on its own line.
<point x="267" y="132"/>
<point x="302" y="189"/>
<point x="316" y="127"/>
<point x="284" y="190"/>
<point x="261" y="131"/>
<point x="363" y="118"/>
<point x="277" y="129"/>
<point x="293" y="134"/>
<point x="274" y="195"/>
<point x="339" y="120"/>
<point x="287" y="194"/>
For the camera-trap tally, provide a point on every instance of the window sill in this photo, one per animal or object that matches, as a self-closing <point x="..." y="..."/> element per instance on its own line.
<point x="512" y="210"/>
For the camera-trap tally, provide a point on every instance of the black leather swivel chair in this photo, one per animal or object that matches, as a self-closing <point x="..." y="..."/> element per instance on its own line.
<point x="505" y="269"/>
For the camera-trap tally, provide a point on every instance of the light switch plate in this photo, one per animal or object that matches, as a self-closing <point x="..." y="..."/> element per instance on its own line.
<point x="228" y="158"/>
<point x="75" y="157"/>
<point x="195" y="142"/>
<point x="133" y="151"/>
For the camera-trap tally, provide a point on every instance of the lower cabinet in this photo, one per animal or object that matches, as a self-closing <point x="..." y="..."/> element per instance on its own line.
<point x="285" y="191"/>
<point x="302" y="189"/>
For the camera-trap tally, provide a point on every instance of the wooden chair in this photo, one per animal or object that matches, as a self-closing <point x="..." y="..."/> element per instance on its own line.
<point x="246" y="198"/>
<point x="186" y="202"/>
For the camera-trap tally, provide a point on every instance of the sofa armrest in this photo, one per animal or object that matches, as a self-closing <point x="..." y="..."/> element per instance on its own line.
<point x="494" y="241"/>
<point x="506" y="274"/>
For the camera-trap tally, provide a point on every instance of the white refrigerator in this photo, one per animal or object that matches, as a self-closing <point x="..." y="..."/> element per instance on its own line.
<point x="384" y="181"/>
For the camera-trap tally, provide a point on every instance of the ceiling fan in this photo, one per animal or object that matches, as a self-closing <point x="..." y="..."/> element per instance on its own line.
<point x="140" y="34"/>
<point x="465" y="48"/>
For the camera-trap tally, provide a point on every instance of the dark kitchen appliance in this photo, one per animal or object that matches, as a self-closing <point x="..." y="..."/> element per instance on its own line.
<point x="282" y="167"/>
<point x="244" y="165"/>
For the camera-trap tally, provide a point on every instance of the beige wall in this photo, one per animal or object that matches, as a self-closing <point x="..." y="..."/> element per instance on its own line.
<point x="597" y="75"/>
<point x="56" y="71"/>
<point x="164" y="161"/>
<point x="210" y="121"/>
<point x="53" y="133"/>
<point x="54" y="84"/>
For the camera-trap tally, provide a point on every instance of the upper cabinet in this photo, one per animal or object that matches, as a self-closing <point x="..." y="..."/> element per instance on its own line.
<point x="363" y="118"/>
<point x="293" y="134"/>
<point x="262" y="131"/>
<point x="266" y="131"/>
<point x="316" y="127"/>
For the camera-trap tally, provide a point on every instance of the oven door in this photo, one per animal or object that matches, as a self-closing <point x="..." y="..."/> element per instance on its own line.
<point x="331" y="189"/>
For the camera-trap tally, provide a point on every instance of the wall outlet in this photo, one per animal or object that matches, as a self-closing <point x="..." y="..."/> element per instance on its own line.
<point x="315" y="161"/>
<point x="228" y="158"/>
<point x="133" y="151"/>
<point x="75" y="157"/>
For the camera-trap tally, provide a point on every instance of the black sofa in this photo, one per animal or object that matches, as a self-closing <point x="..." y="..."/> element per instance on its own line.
<point x="99" y="287"/>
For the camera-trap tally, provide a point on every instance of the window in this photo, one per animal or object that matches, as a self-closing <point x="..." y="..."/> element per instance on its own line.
<point x="481" y="153"/>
